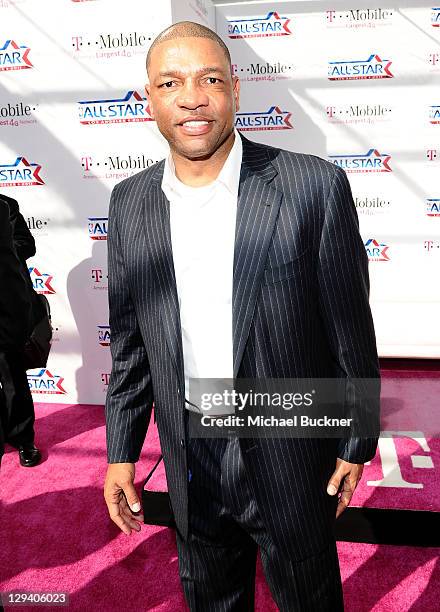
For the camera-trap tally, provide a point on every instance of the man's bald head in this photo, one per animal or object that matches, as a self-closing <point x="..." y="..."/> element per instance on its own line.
<point x="187" y="29"/>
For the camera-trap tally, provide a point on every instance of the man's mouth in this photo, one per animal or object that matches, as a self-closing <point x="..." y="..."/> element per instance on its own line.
<point x="195" y="127"/>
<point x="195" y="123"/>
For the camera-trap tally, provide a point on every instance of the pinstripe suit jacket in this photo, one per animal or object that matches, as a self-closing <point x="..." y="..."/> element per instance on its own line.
<point x="300" y="309"/>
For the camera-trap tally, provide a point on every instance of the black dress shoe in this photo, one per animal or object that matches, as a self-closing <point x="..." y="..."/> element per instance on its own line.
<point x="29" y="455"/>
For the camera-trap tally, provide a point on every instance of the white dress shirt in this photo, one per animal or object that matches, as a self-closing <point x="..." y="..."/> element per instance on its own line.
<point x="203" y="234"/>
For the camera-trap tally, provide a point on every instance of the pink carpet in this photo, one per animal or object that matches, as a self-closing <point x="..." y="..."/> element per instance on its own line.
<point x="404" y="473"/>
<point x="56" y="534"/>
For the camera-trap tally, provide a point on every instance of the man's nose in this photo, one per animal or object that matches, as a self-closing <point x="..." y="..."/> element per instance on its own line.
<point x="191" y="96"/>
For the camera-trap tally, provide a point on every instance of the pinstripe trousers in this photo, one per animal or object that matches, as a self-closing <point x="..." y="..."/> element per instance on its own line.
<point x="217" y="562"/>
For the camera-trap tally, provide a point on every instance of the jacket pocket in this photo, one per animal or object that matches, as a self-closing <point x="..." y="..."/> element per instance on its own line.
<point x="284" y="270"/>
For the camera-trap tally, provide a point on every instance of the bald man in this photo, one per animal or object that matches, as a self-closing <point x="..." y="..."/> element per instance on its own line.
<point x="222" y="265"/>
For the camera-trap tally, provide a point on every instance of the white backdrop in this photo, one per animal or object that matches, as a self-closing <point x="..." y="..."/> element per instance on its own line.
<point x="74" y="121"/>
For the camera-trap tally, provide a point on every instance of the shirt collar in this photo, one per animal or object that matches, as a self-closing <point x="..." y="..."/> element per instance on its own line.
<point x="229" y="175"/>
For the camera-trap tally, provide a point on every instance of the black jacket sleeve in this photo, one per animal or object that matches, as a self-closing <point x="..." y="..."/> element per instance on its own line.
<point x="15" y="306"/>
<point x="23" y="240"/>
<point x="344" y="304"/>
<point x="130" y="392"/>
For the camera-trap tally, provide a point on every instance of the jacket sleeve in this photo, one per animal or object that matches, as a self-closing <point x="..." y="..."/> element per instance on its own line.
<point x="15" y="307"/>
<point x="24" y="242"/>
<point x="130" y="395"/>
<point x="344" y="304"/>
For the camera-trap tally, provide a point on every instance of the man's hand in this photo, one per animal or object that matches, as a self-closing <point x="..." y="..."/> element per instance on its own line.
<point x="121" y="498"/>
<point x="347" y="474"/>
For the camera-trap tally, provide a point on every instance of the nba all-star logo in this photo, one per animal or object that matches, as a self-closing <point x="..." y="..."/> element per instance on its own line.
<point x="432" y="207"/>
<point x="372" y="68"/>
<point x="132" y="107"/>
<point x="272" y="119"/>
<point x="435" y="17"/>
<point x="104" y="335"/>
<point x="259" y="27"/>
<point x="98" y="228"/>
<point x="41" y="282"/>
<point x="43" y="381"/>
<point x="371" y="161"/>
<point x="20" y="174"/>
<point x="376" y="251"/>
<point x="14" y="56"/>
<point x="434" y="115"/>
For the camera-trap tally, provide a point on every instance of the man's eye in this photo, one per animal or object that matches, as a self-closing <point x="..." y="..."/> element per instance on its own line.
<point x="213" y="80"/>
<point x="167" y="85"/>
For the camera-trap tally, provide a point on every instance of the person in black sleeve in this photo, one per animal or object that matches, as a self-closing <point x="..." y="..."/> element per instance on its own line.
<point x="15" y="314"/>
<point x="20" y="427"/>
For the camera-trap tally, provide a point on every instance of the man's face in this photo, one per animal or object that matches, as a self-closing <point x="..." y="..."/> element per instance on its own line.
<point x="192" y="95"/>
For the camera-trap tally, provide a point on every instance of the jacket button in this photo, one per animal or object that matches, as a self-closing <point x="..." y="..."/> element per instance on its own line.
<point x="182" y="443"/>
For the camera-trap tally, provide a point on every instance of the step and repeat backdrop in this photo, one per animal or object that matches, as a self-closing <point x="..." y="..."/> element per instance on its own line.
<point x="357" y="86"/>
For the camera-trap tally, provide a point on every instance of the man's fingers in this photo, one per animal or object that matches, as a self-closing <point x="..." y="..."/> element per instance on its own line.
<point x="344" y="500"/>
<point x="131" y="497"/>
<point x="350" y="483"/>
<point x="129" y="519"/>
<point x="115" y="514"/>
<point x="121" y="497"/>
<point x="335" y="481"/>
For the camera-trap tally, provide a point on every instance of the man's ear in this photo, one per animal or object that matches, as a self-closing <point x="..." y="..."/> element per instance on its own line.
<point x="150" y="104"/>
<point x="236" y="92"/>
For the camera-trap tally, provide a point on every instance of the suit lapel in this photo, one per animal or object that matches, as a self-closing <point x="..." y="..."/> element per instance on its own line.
<point x="158" y="230"/>
<point x="257" y="210"/>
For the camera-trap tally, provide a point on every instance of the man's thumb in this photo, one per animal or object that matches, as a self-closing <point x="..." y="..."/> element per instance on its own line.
<point x="333" y="483"/>
<point x="132" y="498"/>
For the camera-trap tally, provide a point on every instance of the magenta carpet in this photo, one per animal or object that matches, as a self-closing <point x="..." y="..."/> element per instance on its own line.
<point x="56" y="536"/>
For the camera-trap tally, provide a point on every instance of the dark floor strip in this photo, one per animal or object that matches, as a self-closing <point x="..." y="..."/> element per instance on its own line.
<point x="385" y="526"/>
